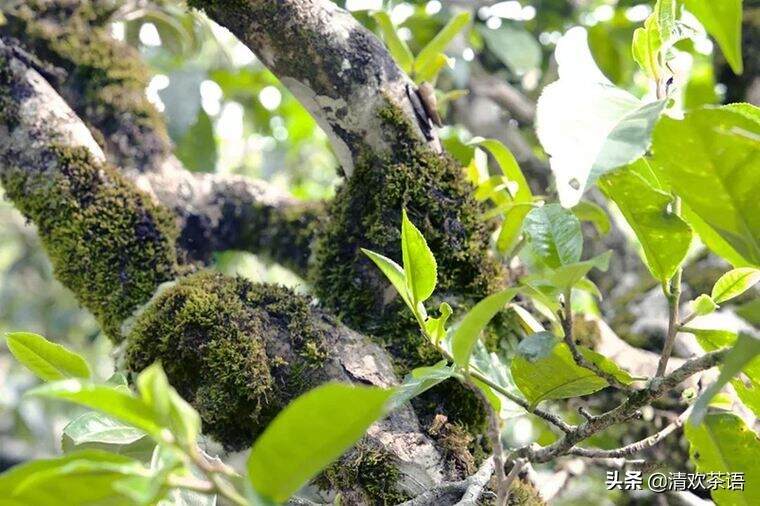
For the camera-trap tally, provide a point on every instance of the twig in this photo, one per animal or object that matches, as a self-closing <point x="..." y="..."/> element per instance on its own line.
<point x="632" y="448"/>
<point x="512" y="476"/>
<point x="471" y="489"/>
<point x="635" y="401"/>
<point x="566" y="318"/>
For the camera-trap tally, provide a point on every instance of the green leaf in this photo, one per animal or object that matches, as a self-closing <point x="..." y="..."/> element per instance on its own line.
<point x="394" y="273"/>
<point x="436" y="327"/>
<point x="746" y="386"/>
<point x="396" y="46"/>
<point x="745" y="349"/>
<point x="48" y="361"/>
<point x="665" y="11"/>
<point x="716" y="149"/>
<point x="628" y="141"/>
<point x="509" y="167"/>
<point x="310" y="433"/>
<point x="567" y="276"/>
<point x="664" y="236"/>
<point x="734" y="283"/>
<point x="421" y="379"/>
<point x="515" y="215"/>
<point x="723" y="20"/>
<point x="517" y="48"/>
<point x="544" y="369"/>
<point x="83" y="478"/>
<point x="703" y="305"/>
<point x="437" y="45"/>
<point x="420" y="268"/>
<point x="555" y="234"/>
<point x="109" y="400"/>
<point x="712" y="239"/>
<point x="93" y="427"/>
<point x="724" y="444"/>
<point x="430" y="71"/>
<point x="169" y="408"/>
<point x="468" y="330"/>
<point x="646" y="47"/>
<point x="588" y="211"/>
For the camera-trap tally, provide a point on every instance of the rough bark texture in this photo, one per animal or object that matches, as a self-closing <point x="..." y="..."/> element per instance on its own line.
<point x="335" y="67"/>
<point x="104" y="81"/>
<point x="260" y="346"/>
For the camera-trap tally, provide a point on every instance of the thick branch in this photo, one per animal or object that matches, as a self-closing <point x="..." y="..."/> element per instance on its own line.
<point x="335" y="67"/>
<point x="104" y="81"/>
<point x="110" y="244"/>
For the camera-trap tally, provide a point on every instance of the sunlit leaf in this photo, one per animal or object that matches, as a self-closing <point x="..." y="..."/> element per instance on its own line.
<point x="420" y="268"/>
<point x="734" y="283"/>
<point x="724" y="444"/>
<point x="663" y="235"/>
<point x="48" y="361"/>
<point x="723" y="20"/>
<point x="555" y="235"/>
<point x="310" y="433"/>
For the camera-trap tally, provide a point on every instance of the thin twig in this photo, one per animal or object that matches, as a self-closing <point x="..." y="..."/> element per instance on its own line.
<point x="566" y="318"/>
<point x="632" y="448"/>
<point x="636" y="400"/>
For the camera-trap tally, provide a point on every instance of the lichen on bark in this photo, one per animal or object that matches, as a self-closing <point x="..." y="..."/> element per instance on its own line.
<point x="237" y="351"/>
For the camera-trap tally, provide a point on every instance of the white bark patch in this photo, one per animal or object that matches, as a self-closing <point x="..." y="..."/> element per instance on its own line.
<point x="44" y="111"/>
<point x="311" y="101"/>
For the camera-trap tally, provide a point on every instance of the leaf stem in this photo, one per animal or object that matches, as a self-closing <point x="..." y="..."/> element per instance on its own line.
<point x="674" y="300"/>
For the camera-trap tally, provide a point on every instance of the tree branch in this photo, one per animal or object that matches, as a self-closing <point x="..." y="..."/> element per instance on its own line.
<point x="110" y="245"/>
<point x="640" y="398"/>
<point x="335" y="67"/>
<point x="104" y="81"/>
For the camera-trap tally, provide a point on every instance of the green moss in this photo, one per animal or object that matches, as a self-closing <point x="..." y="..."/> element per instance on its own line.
<point x="366" y="213"/>
<point x="523" y="493"/>
<point x="105" y="82"/>
<point x="236" y="350"/>
<point x="8" y="109"/>
<point x="367" y="471"/>
<point x="107" y="241"/>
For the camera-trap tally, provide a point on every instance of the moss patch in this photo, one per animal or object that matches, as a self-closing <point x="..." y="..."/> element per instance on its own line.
<point x="236" y="350"/>
<point x="107" y="241"/>
<point x="106" y="80"/>
<point x="367" y="471"/>
<point x="366" y="213"/>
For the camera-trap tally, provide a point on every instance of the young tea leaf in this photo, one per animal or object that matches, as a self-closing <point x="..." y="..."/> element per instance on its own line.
<point x="420" y="268"/>
<point x="664" y="236"/>
<point x="48" y="361"/>
<point x="734" y="283"/>
<point x="311" y="432"/>
<point x="394" y="273"/>
<point x="398" y="48"/>
<point x="467" y="332"/>
<point x="703" y="305"/>
<point x="555" y="235"/>
<point x="427" y="56"/>
<point x="112" y="401"/>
